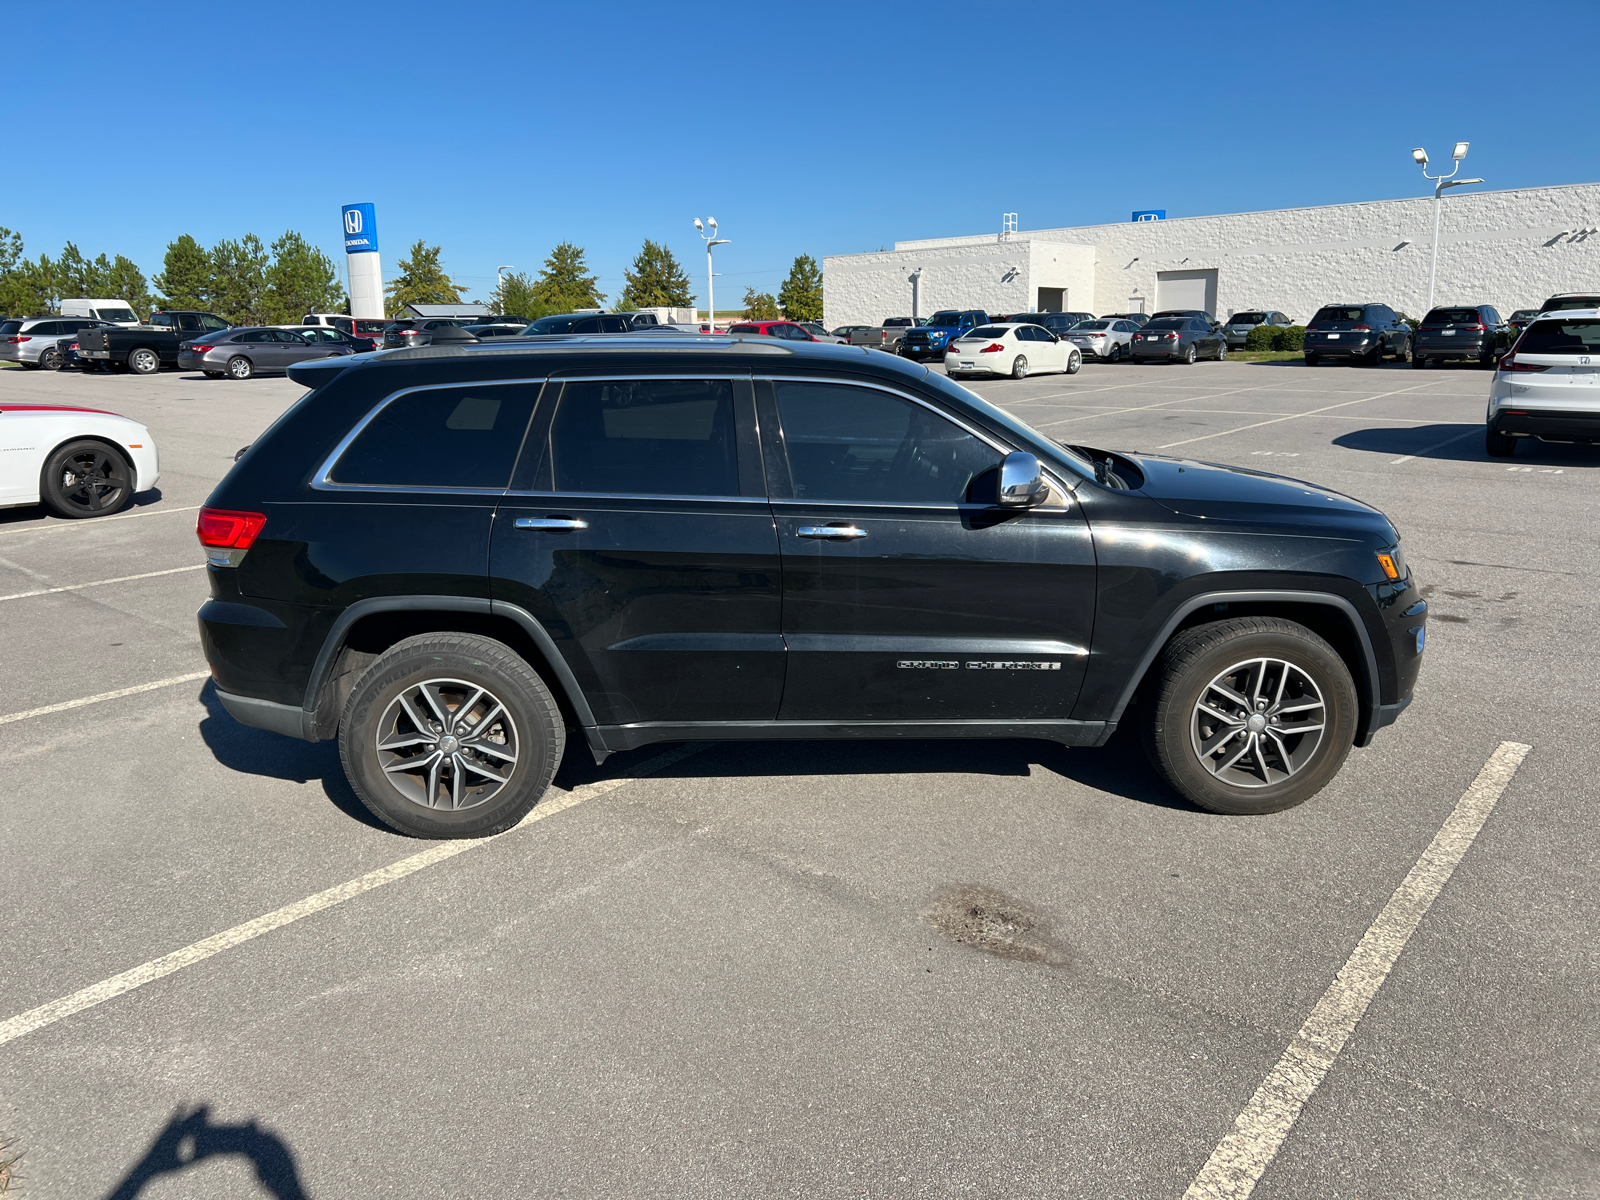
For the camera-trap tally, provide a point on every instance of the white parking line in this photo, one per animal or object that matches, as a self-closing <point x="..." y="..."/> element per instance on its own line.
<point x="1144" y="407"/>
<point x="1310" y="412"/>
<point x="73" y="587"/>
<point x="1460" y="437"/>
<point x="1236" y="1165"/>
<point x="95" y="522"/>
<point x="116" y="695"/>
<point x="157" y="968"/>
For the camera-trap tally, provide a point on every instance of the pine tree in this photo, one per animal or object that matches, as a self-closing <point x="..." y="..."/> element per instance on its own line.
<point x="185" y="279"/>
<point x="655" y="280"/>
<point x="125" y="281"/>
<point x="421" y="281"/>
<point x="760" y="306"/>
<point x="302" y="279"/>
<point x="801" y="293"/>
<point x="564" y="282"/>
<point x="239" y="280"/>
<point x="79" y="277"/>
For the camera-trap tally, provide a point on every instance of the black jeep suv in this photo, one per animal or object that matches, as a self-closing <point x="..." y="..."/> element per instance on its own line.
<point x="453" y="558"/>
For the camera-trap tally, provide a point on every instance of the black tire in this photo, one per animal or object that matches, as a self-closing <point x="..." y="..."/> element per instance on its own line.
<point x="1311" y="360"/>
<point x="143" y="361"/>
<point x="1116" y="352"/>
<point x="50" y="358"/>
<point x="88" y="366"/>
<point x="1175" y="733"/>
<point x="1222" y="352"/>
<point x="535" y="737"/>
<point x="1404" y="355"/>
<point x="86" y="479"/>
<point x="1489" y="361"/>
<point x="215" y="375"/>
<point x="1374" y="359"/>
<point x="1418" y="362"/>
<point x="30" y="366"/>
<point x="1189" y="356"/>
<point x="240" y="367"/>
<point x="1499" y="445"/>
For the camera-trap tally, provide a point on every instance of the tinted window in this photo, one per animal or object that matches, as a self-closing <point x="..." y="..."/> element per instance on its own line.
<point x="894" y="322"/>
<point x="744" y="329"/>
<point x="1451" y="316"/>
<point x="1249" y="318"/>
<point x="551" y="325"/>
<point x="1564" y="304"/>
<point x="945" y="318"/>
<point x="586" y="325"/>
<point x="850" y="443"/>
<point x="662" y="437"/>
<point x="458" y="437"/>
<point x="613" y="325"/>
<point x="212" y="324"/>
<point x="189" y="323"/>
<point x="45" y="328"/>
<point x="987" y="331"/>
<point x="1561" y="337"/>
<point x="289" y="335"/>
<point x="1333" y="313"/>
<point x="1093" y="325"/>
<point x="1168" y="323"/>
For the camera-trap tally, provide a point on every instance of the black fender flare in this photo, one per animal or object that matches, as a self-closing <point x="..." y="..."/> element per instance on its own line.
<point x="1369" y="681"/>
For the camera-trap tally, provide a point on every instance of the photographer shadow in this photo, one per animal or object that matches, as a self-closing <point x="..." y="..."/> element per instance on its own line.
<point x="190" y="1138"/>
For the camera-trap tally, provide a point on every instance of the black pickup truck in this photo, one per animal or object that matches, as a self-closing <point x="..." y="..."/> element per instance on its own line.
<point x="145" y="349"/>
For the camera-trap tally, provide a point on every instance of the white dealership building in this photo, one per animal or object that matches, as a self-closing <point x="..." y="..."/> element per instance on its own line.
<point x="1510" y="249"/>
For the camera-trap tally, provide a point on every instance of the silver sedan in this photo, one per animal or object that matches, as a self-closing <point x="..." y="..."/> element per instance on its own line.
<point x="1106" y="338"/>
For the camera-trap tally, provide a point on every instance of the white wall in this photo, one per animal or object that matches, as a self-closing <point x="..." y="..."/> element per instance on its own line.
<point x="1504" y="248"/>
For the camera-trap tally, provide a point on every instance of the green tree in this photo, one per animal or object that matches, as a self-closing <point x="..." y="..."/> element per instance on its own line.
<point x="518" y="295"/>
<point x="10" y="250"/>
<point x="302" y="279"/>
<point x="125" y="281"/>
<point x="655" y="280"/>
<point x="77" y="276"/>
<point x="239" y="280"/>
<point x="421" y="281"/>
<point x="185" y="279"/>
<point x="30" y="289"/>
<point x="801" y="293"/>
<point x="760" y="306"/>
<point x="564" y="282"/>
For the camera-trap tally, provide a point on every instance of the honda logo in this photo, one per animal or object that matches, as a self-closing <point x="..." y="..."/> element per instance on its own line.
<point x="352" y="221"/>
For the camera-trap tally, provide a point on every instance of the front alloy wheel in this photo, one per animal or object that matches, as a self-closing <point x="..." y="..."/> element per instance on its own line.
<point x="1258" y="722"/>
<point x="86" y="479"/>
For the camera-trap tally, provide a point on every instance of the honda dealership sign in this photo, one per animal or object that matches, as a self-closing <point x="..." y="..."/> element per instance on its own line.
<point x="362" y="261"/>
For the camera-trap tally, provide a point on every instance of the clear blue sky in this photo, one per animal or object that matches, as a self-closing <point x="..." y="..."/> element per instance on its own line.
<point x="499" y="129"/>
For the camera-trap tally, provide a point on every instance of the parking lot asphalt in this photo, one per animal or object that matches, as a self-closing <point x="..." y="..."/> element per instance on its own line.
<point x="752" y="969"/>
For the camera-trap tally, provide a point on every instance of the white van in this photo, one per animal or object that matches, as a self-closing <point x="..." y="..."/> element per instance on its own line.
<point x="115" y="311"/>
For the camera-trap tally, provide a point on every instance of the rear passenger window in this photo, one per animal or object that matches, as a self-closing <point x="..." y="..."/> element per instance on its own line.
<point x="645" y="437"/>
<point x="456" y="437"/>
<point x="851" y="443"/>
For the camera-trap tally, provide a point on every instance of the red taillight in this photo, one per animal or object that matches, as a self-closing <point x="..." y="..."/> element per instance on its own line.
<point x="1510" y="363"/>
<point x="1095" y="335"/>
<point x="197" y="348"/>
<point x="15" y="340"/>
<point x="227" y="530"/>
<point x="1361" y="329"/>
<point x="993" y="348"/>
<point x="1173" y="336"/>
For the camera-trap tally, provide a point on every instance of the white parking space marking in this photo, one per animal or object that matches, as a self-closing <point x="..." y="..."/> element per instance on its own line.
<point x="1460" y="437"/>
<point x="1236" y="1165"/>
<point x="73" y="587"/>
<point x="157" y="968"/>
<point x="95" y="522"/>
<point x="1158" y="404"/>
<point x="1308" y="413"/>
<point x="116" y="695"/>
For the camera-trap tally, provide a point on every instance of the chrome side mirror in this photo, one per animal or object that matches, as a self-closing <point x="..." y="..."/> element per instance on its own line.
<point x="1022" y="482"/>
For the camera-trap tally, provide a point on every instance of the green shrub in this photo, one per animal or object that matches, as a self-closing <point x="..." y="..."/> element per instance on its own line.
<point x="1289" y="337"/>
<point x="1261" y="338"/>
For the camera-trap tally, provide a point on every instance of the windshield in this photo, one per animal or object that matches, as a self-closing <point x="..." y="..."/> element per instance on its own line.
<point x="1561" y="337"/>
<point x="945" y="318"/>
<point x="116" y="314"/>
<point x="1250" y="318"/>
<point x="552" y="325"/>
<point x="1338" y="314"/>
<point x="1453" y="316"/>
<point x="1566" y="303"/>
<point x="1169" y="323"/>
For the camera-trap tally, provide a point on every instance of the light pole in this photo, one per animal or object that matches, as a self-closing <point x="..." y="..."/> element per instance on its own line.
<point x="500" y="283"/>
<point x="1440" y="182"/>
<point x="711" y="240"/>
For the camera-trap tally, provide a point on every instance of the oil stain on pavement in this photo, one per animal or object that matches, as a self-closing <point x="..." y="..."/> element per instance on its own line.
<point x="991" y="921"/>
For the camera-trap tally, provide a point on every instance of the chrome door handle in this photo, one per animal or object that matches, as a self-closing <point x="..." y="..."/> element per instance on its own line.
<point x="843" y="532"/>
<point x="550" y="523"/>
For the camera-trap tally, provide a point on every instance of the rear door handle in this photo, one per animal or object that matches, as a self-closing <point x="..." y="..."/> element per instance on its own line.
<point x="842" y="532"/>
<point x="550" y="523"/>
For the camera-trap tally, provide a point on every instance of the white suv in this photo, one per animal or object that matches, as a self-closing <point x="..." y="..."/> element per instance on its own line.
<point x="1548" y="385"/>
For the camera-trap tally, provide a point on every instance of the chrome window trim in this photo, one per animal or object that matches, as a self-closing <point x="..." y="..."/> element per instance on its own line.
<point x="986" y="439"/>
<point x="576" y="496"/>
<point x="322" y="480"/>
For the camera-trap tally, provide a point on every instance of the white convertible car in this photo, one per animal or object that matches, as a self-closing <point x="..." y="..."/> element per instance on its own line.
<point x="1016" y="349"/>
<point x="79" y="462"/>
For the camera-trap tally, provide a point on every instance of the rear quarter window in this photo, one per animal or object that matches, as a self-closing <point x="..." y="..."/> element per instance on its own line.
<point x="453" y="437"/>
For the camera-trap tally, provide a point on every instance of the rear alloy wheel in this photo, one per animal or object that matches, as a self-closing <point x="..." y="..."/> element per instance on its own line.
<point x="1189" y="356"/>
<point x="1019" y="367"/>
<point x="449" y="735"/>
<point x="50" y="360"/>
<point x="1499" y="445"/>
<point x="1222" y="352"/>
<point x="1074" y="362"/>
<point x="240" y="367"/>
<point x="1116" y="352"/>
<point x="1252" y="715"/>
<point x="86" y="479"/>
<point x="144" y="361"/>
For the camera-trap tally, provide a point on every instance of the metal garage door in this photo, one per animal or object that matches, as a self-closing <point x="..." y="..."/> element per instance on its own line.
<point x="1187" y="289"/>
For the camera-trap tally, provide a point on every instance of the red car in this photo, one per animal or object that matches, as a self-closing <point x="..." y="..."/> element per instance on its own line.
<point x="777" y="329"/>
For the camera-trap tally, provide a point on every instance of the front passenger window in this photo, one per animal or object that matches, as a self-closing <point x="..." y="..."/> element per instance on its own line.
<point x="852" y="443"/>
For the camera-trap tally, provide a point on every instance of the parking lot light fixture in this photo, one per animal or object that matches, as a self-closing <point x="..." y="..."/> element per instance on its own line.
<point x="712" y="241"/>
<point x="1440" y="182"/>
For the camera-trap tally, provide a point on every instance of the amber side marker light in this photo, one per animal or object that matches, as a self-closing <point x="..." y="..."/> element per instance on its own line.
<point x="1386" y="561"/>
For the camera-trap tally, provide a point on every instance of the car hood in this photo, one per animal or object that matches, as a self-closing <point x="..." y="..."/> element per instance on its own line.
<point x="1213" y="491"/>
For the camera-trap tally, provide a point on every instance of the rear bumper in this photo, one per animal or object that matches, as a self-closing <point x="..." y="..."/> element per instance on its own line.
<point x="1451" y="348"/>
<point x="1340" y="349"/>
<point x="1156" y="349"/>
<point x="288" y="719"/>
<point x="1555" y="425"/>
